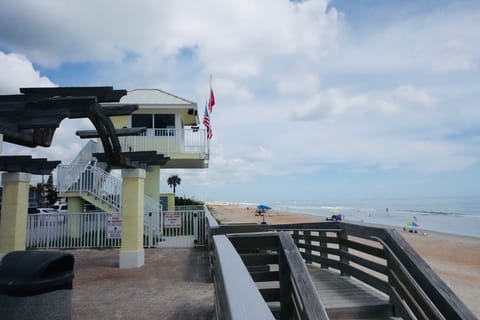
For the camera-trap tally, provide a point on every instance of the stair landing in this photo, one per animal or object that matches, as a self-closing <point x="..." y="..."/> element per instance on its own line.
<point x="348" y="298"/>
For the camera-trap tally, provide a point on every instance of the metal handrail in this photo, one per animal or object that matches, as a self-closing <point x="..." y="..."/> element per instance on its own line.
<point x="91" y="180"/>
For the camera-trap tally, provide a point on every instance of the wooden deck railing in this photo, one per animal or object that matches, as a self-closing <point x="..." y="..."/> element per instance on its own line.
<point x="382" y="259"/>
<point x="236" y="296"/>
<point x="376" y="256"/>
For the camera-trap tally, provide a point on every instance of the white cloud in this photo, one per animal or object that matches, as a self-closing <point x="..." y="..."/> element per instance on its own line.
<point x="18" y="72"/>
<point x="443" y="41"/>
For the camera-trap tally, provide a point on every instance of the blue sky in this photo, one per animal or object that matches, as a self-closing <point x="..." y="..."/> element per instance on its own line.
<point x="316" y="100"/>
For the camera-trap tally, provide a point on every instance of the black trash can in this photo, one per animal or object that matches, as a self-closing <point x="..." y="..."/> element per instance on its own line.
<point x="36" y="285"/>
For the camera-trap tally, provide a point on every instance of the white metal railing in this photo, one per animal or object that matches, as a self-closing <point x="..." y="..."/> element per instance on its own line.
<point x="83" y="230"/>
<point x="91" y="180"/>
<point x="166" y="141"/>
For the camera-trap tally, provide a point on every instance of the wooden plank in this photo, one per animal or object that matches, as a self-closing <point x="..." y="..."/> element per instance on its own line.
<point x="315" y="238"/>
<point x="103" y="94"/>
<point x="377" y="252"/>
<point x="362" y="231"/>
<point x="270" y="294"/>
<point x="88" y="134"/>
<point x="254" y="259"/>
<point x="380" y="268"/>
<point x="365" y="277"/>
<point x="315" y="248"/>
<point x="239" y="229"/>
<point x="265" y="276"/>
<point x="258" y="241"/>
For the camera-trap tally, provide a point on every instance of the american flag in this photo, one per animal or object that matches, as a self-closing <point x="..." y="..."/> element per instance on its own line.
<point x="206" y="123"/>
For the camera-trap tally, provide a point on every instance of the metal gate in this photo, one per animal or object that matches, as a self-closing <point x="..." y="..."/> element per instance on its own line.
<point x="183" y="229"/>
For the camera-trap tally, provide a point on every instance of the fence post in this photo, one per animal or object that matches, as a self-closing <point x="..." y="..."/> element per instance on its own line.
<point x="342" y="237"/>
<point x="323" y="248"/>
<point x="308" y="242"/>
<point x="195" y="228"/>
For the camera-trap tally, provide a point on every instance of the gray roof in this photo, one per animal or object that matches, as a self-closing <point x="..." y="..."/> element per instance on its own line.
<point x="156" y="97"/>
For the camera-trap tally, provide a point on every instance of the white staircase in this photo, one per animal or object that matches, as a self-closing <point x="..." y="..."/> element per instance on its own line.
<point x="85" y="177"/>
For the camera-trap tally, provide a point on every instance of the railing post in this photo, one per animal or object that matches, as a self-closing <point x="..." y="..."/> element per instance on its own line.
<point x="286" y="302"/>
<point x="195" y="229"/>
<point x="342" y="237"/>
<point x="295" y="238"/>
<point x="308" y="242"/>
<point x="323" y="248"/>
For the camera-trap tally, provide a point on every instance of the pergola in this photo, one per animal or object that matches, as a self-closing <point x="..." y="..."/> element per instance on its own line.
<point x="31" y="118"/>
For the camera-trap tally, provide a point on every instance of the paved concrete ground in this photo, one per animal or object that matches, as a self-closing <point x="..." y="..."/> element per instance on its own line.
<point x="173" y="284"/>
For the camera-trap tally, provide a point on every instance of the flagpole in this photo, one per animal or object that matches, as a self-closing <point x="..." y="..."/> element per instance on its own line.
<point x="210" y="81"/>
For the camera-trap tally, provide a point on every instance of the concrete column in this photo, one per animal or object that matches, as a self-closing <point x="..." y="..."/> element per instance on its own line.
<point x="75" y="205"/>
<point x="13" y="222"/>
<point x="132" y="253"/>
<point x="152" y="183"/>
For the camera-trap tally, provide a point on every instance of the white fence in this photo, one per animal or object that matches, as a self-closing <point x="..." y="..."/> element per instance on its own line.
<point x="101" y="230"/>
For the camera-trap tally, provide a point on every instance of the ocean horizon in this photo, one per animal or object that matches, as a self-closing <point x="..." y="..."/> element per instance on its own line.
<point x="454" y="215"/>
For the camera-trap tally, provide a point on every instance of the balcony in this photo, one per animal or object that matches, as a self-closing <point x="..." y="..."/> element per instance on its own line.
<point x="187" y="148"/>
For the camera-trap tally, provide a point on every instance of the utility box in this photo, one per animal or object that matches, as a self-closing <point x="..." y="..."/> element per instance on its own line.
<point x="36" y="285"/>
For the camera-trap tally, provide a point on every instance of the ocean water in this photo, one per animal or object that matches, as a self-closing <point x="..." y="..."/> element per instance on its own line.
<point x="459" y="216"/>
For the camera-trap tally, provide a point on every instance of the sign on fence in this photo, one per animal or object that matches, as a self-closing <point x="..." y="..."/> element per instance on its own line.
<point x="114" y="227"/>
<point x="172" y="219"/>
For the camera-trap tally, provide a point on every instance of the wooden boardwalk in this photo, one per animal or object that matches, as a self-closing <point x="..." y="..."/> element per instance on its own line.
<point x="348" y="298"/>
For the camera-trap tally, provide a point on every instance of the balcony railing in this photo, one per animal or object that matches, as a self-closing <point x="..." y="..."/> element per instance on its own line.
<point x="167" y="142"/>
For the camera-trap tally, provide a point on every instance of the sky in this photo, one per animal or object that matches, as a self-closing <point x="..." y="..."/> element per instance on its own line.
<point x="315" y="100"/>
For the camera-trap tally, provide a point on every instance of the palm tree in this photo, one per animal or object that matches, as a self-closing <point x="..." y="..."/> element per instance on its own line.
<point x="174" y="181"/>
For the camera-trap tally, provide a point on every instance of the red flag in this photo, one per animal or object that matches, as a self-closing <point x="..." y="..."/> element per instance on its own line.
<point x="211" y="101"/>
<point x="206" y="123"/>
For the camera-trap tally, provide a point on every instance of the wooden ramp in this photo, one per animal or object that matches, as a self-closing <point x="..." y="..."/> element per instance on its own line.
<point x="348" y="298"/>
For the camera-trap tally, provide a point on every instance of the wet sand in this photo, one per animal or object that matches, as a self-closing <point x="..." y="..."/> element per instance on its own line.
<point x="456" y="259"/>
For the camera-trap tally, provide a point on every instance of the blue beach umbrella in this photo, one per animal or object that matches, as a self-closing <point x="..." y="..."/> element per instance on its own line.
<point x="263" y="207"/>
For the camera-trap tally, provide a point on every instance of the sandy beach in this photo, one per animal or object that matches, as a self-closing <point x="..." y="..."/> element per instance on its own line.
<point x="456" y="259"/>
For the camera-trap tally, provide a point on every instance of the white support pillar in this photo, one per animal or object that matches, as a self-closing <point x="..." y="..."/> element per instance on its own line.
<point x="132" y="254"/>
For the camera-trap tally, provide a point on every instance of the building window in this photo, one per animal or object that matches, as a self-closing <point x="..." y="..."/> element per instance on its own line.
<point x="159" y="123"/>
<point x="142" y="120"/>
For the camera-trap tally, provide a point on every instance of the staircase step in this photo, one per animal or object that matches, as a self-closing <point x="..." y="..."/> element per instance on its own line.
<point x="381" y="311"/>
